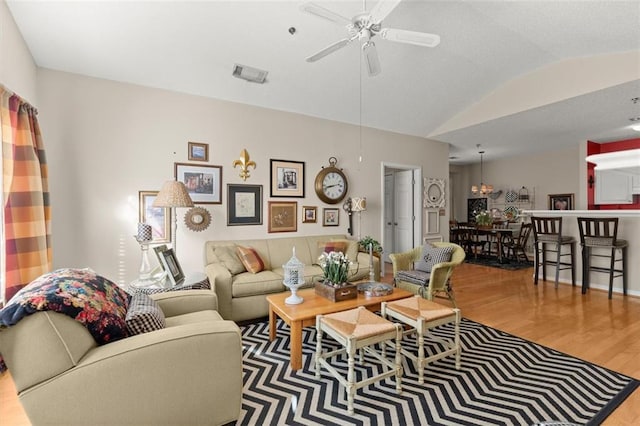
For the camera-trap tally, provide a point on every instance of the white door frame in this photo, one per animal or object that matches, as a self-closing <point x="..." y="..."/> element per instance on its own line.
<point x="417" y="199"/>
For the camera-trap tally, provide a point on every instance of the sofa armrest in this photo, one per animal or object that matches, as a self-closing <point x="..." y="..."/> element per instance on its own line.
<point x="221" y="279"/>
<point x="172" y="370"/>
<point x="181" y="302"/>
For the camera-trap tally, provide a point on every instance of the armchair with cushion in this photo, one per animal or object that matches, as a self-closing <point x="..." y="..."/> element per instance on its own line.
<point x="187" y="372"/>
<point x="427" y="270"/>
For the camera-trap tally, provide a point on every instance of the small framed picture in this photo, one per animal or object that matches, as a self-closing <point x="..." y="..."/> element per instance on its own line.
<point x="244" y="204"/>
<point x="561" y="202"/>
<point x="158" y="217"/>
<point x="198" y="151"/>
<point x="159" y="249"/>
<point x="283" y="216"/>
<point x="330" y="217"/>
<point x="171" y="265"/>
<point x="287" y="178"/>
<point x="309" y="214"/>
<point x="204" y="183"/>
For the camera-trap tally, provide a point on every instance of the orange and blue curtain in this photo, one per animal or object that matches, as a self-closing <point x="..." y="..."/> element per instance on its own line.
<point x="26" y="214"/>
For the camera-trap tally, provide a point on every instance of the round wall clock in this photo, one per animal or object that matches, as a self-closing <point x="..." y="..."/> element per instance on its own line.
<point x="197" y="219"/>
<point x="331" y="183"/>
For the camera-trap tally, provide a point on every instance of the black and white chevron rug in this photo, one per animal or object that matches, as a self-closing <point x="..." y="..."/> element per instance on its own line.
<point x="504" y="380"/>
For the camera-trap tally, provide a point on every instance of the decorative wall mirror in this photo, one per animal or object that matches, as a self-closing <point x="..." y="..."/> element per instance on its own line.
<point x="197" y="219"/>
<point x="434" y="196"/>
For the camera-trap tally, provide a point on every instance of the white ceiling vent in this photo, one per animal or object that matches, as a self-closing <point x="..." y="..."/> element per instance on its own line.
<point x="250" y="74"/>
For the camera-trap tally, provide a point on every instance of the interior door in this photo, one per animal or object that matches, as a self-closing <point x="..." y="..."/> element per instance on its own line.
<point x="403" y="210"/>
<point x="389" y="219"/>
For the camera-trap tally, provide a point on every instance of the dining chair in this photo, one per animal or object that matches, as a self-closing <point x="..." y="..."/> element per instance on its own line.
<point x="516" y="248"/>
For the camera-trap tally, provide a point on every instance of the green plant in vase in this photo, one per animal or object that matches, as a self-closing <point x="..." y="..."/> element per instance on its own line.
<point x="484" y="218"/>
<point x="335" y="268"/>
<point x="364" y="243"/>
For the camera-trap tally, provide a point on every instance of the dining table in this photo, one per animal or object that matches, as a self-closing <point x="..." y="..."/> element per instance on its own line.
<point x="500" y="234"/>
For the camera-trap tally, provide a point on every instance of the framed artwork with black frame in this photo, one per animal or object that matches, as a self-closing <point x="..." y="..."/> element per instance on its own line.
<point x="172" y="266"/>
<point x="561" y="201"/>
<point x="330" y="217"/>
<point x="287" y="178"/>
<point x="475" y="206"/>
<point x="283" y="216"/>
<point x="204" y="183"/>
<point x="158" y="217"/>
<point x="244" y="204"/>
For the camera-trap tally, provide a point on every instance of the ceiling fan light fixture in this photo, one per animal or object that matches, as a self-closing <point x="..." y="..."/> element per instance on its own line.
<point x="251" y="74"/>
<point x="371" y="58"/>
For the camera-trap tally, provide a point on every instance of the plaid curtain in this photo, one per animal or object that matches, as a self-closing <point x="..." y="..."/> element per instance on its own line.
<point x="26" y="215"/>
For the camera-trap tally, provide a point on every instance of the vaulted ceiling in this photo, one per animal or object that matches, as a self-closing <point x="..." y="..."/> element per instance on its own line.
<point x="514" y="76"/>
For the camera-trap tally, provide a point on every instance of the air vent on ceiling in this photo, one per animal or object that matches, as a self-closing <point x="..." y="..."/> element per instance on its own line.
<point x="250" y="74"/>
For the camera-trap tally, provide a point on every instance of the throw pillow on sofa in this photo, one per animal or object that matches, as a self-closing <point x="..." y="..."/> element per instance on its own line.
<point x="329" y="246"/>
<point x="432" y="255"/>
<point x="351" y="250"/>
<point x="228" y="256"/>
<point x="144" y="315"/>
<point x="250" y="259"/>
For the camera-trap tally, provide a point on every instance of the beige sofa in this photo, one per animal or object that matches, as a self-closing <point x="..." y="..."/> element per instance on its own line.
<point x="187" y="373"/>
<point x="242" y="294"/>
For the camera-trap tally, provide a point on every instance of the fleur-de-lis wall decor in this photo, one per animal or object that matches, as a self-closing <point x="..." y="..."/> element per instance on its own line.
<point x="244" y="162"/>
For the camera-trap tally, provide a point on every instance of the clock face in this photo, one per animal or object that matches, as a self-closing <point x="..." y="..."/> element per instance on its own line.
<point x="333" y="185"/>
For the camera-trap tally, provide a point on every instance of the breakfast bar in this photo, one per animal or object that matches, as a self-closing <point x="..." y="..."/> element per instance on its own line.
<point x="628" y="229"/>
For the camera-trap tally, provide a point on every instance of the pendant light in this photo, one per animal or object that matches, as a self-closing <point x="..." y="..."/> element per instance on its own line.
<point x="483" y="189"/>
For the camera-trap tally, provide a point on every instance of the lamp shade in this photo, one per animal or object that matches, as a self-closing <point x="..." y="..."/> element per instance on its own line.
<point x="358" y="204"/>
<point x="173" y="194"/>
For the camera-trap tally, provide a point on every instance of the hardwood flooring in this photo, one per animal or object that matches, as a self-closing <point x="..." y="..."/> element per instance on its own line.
<point x="590" y="327"/>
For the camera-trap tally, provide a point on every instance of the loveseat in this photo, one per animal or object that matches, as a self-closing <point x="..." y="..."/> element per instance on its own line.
<point x="189" y="372"/>
<point x="242" y="294"/>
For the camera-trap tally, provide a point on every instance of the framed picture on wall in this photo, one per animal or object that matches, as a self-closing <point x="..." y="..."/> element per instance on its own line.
<point x="198" y="151"/>
<point x="158" y="217"/>
<point x="330" y="217"/>
<point x="475" y="206"/>
<point x="283" y="216"/>
<point x="309" y="214"/>
<point x="287" y="178"/>
<point x="244" y="204"/>
<point x="204" y="183"/>
<point x="560" y="201"/>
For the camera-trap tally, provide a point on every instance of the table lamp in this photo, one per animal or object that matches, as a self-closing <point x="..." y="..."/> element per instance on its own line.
<point x="173" y="194"/>
<point x="359" y="204"/>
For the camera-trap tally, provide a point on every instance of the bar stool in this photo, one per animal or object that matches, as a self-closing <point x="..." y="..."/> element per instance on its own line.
<point x="601" y="235"/>
<point x="548" y="231"/>
<point x="421" y="315"/>
<point x="358" y="329"/>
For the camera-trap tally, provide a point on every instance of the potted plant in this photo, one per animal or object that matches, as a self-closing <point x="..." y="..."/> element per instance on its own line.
<point x="363" y="245"/>
<point x="335" y="267"/>
<point x="484" y="219"/>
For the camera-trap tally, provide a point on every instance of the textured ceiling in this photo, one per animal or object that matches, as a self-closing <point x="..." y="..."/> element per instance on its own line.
<point x="191" y="47"/>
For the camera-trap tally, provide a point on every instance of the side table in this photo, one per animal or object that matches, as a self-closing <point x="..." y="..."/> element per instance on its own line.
<point x="196" y="281"/>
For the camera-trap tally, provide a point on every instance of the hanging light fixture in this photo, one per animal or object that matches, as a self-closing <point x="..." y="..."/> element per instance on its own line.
<point x="483" y="189"/>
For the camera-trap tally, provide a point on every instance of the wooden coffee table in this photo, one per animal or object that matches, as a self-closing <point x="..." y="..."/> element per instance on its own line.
<point x="304" y="314"/>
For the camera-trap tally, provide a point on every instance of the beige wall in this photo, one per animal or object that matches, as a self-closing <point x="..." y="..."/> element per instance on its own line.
<point x="17" y="69"/>
<point x="557" y="172"/>
<point x="107" y="140"/>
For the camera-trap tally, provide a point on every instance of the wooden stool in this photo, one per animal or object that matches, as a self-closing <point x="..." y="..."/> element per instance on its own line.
<point x="421" y="315"/>
<point x="598" y="234"/>
<point x="548" y="231"/>
<point x="358" y="329"/>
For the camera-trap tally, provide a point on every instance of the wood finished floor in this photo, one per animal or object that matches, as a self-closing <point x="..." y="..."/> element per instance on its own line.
<point x="590" y="327"/>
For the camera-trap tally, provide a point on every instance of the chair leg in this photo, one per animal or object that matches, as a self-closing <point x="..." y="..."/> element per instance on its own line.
<point x="318" y="346"/>
<point x="624" y="271"/>
<point x="536" y="264"/>
<point x="612" y="272"/>
<point x="421" y="364"/>
<point x="573" y="264"/>
<point x="351" y="387"/>
<point x="558" y="253"/>
<point x="585" y="269"/>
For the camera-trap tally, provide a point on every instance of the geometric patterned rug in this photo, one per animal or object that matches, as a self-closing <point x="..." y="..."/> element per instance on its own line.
<point x="503" y="380"/>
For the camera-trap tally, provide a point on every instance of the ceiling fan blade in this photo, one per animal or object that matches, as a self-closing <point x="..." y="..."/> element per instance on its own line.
<point x="371" y="58"/>
<point x="411" y="37"/>
<point x="327" y="14"/>
<point x="329" y="49"/>
<point x="382" y="9"/>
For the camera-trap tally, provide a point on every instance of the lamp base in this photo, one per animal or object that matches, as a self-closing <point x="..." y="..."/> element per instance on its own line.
<point x="294" y="299"/>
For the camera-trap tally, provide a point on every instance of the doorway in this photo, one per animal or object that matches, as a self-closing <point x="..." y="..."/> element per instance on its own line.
<point x="402" y="208"/>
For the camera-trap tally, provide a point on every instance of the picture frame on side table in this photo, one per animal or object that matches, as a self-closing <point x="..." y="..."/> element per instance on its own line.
<point x="172" y="266"/>
<point x="158" y="217"/>
<point x="330" y="217"/>
<point x="561" y="201"/>
<point x="287" y="178"/>
<point x="198" y="151"/>
<point x="204" y="183"/>
<point x="283" y="216"/>
<point x="309" y="214"/>
<point x="244" y="204"/>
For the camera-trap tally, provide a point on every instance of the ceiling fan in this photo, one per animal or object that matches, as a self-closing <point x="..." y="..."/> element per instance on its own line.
<point x="365" y="26"/>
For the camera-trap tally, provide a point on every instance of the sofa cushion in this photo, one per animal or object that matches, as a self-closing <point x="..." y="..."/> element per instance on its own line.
<point x="228" y="256"/>
<point x="250" y="259"/>
<point x="144" y="315"/>
<point x="414" y="277"/>
<point x="265" y="282"/>
<point x="431" y="256"/>
<point x="99" y="304"/>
